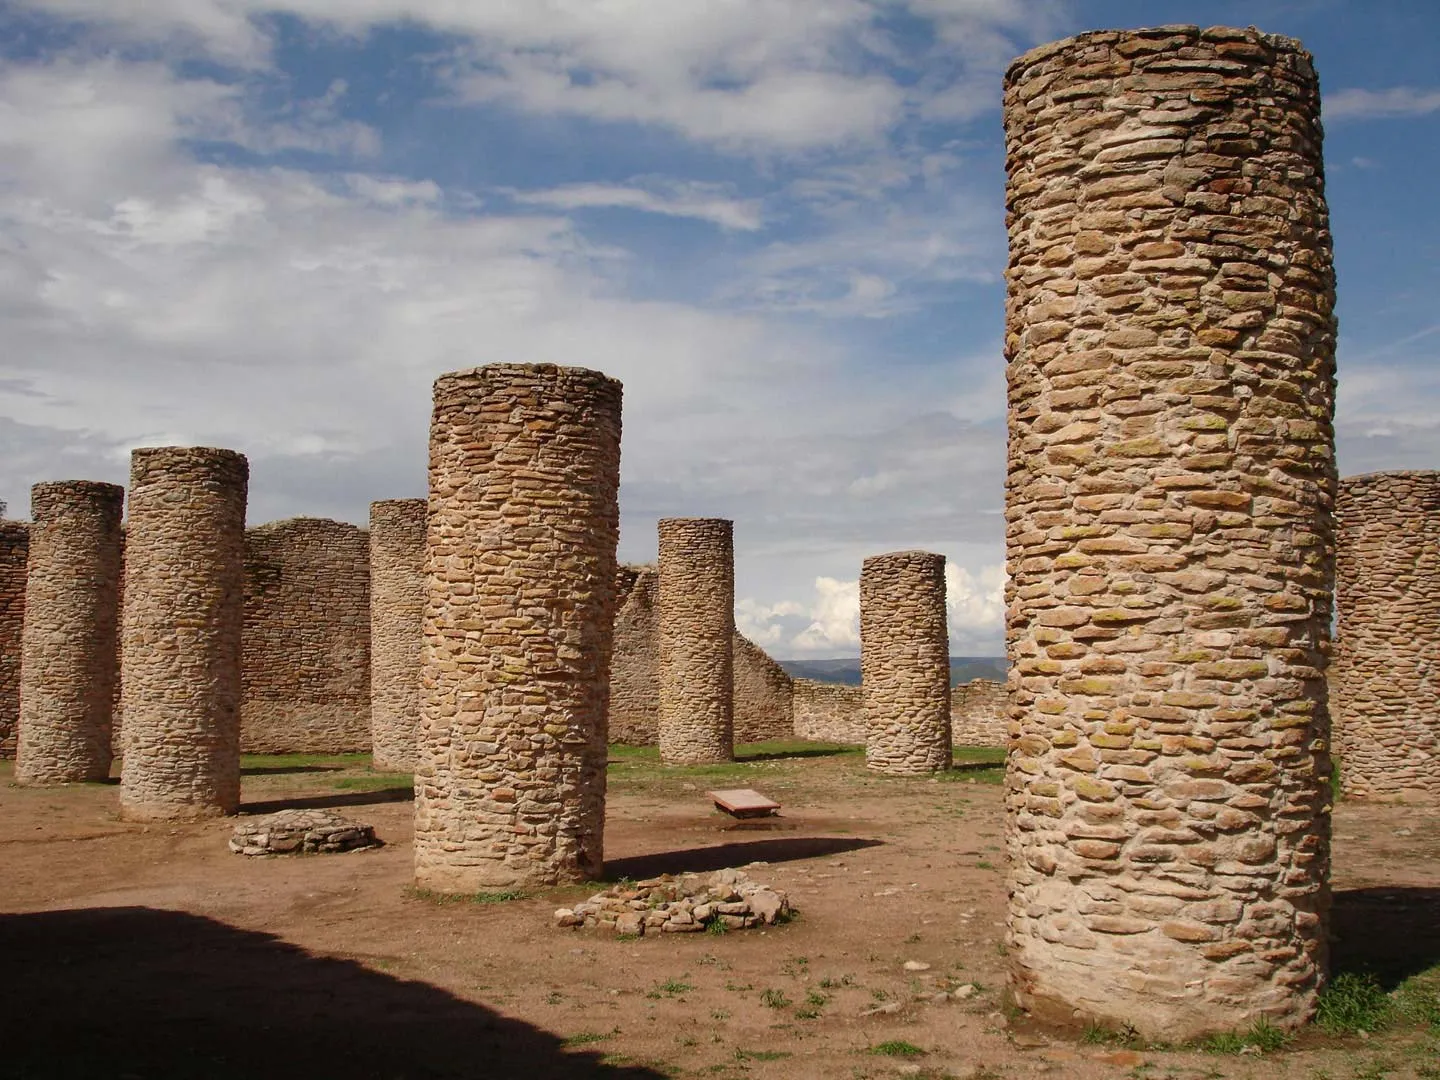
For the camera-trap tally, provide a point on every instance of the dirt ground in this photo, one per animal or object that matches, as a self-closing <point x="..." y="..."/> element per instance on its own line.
<point x="135" y="952"/>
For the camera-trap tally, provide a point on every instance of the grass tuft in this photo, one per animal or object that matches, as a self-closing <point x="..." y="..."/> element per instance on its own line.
<point x="1353" y="1002"/>
<point x="896" y="1048"/>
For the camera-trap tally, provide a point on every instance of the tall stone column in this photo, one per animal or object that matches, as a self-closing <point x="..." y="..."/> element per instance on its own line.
<point x="1386" y="677"/>
<point x="67" y="668"/>
<point x="180" y="635"/>
<point x="905" y="663"/>
<point x="14" y="549"/>
<point x="1169" y="542"/>
<point x="696" y="610"/>
<point x="520" y="565"/>
<point x="397" y="634"/>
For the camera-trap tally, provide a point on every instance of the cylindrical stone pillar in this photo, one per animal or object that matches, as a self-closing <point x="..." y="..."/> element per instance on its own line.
<point x="1169" y="542"/>
<point x="14" y="550"/>
<point x="397" y="612"/>
<point x="180" y="635"/>
<point x="67" y="667"/>
<point x="695" y="603"/>
<point x="905" y="663"/>
<point x="523" y="520"/>
<point x="1385" y="683"/>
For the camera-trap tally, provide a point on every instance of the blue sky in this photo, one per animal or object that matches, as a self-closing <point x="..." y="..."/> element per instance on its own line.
<point x="269" y="224"/>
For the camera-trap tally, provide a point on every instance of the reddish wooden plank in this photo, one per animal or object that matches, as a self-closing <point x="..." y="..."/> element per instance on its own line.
<point x="744" y="802"/>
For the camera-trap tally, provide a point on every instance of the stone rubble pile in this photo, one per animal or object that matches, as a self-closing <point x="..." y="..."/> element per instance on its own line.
<point x="686" y="904"/>
<point x="292" y="832"/>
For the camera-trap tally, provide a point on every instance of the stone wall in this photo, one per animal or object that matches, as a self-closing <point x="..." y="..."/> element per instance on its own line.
<point x="520" y="608"/>
<point x="979" y="713"/>
<point x="828" y="712"/>
<point x="761" y="695"/>
<point x="67" y="673"/>
<point x="634" y="670"/>
<point x="305" y="664"/>
<point x="397" y="636"/>
<point x="905" y="663"/>
<point x="1385" y="683"/>
<point x="1170" y="348"/>
<point x="183" y="612"/>
<point x="695" y="601"/>
<point x="14" y="547"/>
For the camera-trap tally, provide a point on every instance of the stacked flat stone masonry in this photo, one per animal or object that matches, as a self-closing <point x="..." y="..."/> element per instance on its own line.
<point x="828" y="712"/>
<point x="397" y="637"/>
<point x="760" y="693"/>
<point x="979" y="713"/>
<point x="306" y="642"/>
<point x="1170" y="347"/>
<point x="905" y="663"/>
<point x="183" y="612"/>
<point x="1385" y="683"/>
<point x="520" y="564"/>
<point x="67" y="672"/>
<point x="695" y="601"/>
<point x="14" y="549"/>
<point x="635" y="668"/>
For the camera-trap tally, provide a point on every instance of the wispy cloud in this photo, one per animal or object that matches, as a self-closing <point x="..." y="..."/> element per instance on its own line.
<point x="704" y="202"/>
<point x="1391" y="103"/>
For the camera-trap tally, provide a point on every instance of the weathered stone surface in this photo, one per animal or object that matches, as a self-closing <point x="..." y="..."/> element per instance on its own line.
<point x="67" y="673"/>
<point x="180" y="632"/>
<point x="520" y="590"/>
<point x="695" y="603"/>
<point x="1385" y="682"/>
<point x="687" y="904"/>
<point x="397" y="636"/>
<point x="1196" y="352"/>
<point x="828" y="712"/>
<point x="905" y="663"/>
<point x="14" y="549"/>
<point x="305" y="646"/>
<point x="301" y="832"/>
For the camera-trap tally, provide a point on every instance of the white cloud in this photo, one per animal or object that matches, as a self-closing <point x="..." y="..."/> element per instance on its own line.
<point x="1396" y="101"/>
<point x="705" y="202"/>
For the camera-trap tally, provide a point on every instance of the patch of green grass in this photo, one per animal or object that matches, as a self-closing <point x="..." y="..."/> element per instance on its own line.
<point x="373" y="782"/>
<point x="293" y="761"/>
<point x="829" y="983"/>
<point x="1100" y="1035"/>
<point x="716" y="927"/>
<point x="814" y="997"/>
<point x="669" y="988"/>
<point x="1353" y="1002"/>
<point x="504" y="896"/>
<point x="775" y="999"/>
<point x="1417" y="999"/>
<point x="896" y="1048"/>
<point x="585" y="1038"/>
<point x="1376" y="1069"/>
<point x="762" y="1055"/>
<point x="1263" y="1036"/>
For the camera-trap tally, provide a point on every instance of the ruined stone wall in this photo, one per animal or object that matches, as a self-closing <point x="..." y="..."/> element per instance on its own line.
<point x="828" y="712"/>
<point x="634" y="670"/>
<point x="695" y="602"/>
<point x="761" y="694"/>
<point x="905" y="663"/>
<point x="397" y="636"/>
<point x="14" y="548"/>
<point x="520" y="566"/>
<point x="1385" y="682"/>
<point x="181" y="629"/>
<point x="979" y="713"/>
<point x="305" y="665"/>
<point x="1170" y="347"/>
<point x="67" y="668"/>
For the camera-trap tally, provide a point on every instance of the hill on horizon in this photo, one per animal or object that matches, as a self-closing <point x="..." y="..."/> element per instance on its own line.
<point x="846" y="670"/>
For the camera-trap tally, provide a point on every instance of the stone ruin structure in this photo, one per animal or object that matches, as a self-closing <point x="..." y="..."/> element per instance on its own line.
<point x="180" y="653"/>
<point x="905" y="663"/>
<point x="14" y="549"/>
<point x="520" y="564"/>
<point x="67" y="672"/>
<point x="301" y="832"/>
<point x="695" y="604"/>
<point x="305" y="654"/>
<point x="1170" y="347"/>
<point x="397" y="636"/>
<point x="828" y="712"/>
<point x="688" y="904"/>
<point x="1386" y="673"/>
<point x="979" y="713"/>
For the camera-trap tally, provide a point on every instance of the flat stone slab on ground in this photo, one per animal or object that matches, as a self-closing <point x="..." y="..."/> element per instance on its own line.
<point x="292" y="832"/>
<point x="744" y="802"/>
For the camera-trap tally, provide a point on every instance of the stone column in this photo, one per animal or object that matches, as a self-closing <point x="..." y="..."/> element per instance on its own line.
<point x="1386" y="677"/>
<point x="67" y="668"/>
<point x="1170" y="346"/>
<point x="520" y="566"/>
<point x="180" y="647"/>
<point x="14" y="548"/>
<point x="397" y="611"/>
<point x="905" y="663"/>
<point x="696" y="604"/>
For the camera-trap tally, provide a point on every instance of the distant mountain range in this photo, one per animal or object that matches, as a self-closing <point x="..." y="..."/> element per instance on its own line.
<point x="847" y="671"/>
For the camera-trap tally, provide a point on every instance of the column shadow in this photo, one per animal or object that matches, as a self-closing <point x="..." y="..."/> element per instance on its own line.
<point x="142" y="994"/>
<point x="702" y="860"/>
<point x="1389" y="931"/>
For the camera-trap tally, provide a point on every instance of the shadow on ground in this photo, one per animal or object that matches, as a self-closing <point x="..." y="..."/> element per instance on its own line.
<point x="780" y="755"/>
<point x="278" y="770"/>
<point x="330" y="802"/>
<point x="702" y="860"/>
<point x="1392" y="932"/>
<point x="146" y="994"/>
